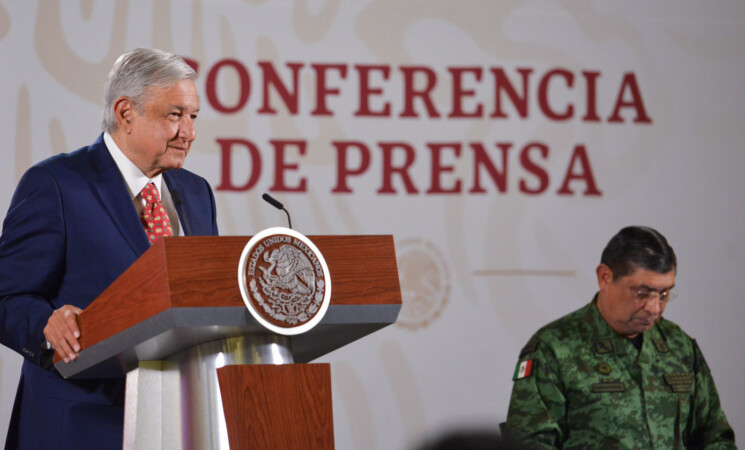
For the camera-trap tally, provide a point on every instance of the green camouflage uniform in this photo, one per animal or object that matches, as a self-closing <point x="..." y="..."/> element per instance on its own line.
<point x="589" y="387"/>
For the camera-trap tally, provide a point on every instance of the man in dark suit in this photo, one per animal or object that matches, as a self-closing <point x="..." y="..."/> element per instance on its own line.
<point x="75" y="223"/>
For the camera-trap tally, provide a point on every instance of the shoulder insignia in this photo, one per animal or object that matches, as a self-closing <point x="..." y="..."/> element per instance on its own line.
<point x="608" y="386"/>
<point x="661" y="346"/>
<point x="530" y="347"/>
<point x="679" y="382"/>
<point x="604" y="346"/>
<point x="523" y="370"/>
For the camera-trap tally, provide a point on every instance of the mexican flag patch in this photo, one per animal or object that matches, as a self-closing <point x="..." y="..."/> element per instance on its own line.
<point x="523" y="369"/>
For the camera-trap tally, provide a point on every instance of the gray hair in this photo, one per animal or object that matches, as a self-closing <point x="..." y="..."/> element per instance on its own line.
<point x="137" y="70"/>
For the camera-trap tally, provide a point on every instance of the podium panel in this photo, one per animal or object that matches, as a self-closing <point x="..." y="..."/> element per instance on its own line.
<point x="291" y="410"/>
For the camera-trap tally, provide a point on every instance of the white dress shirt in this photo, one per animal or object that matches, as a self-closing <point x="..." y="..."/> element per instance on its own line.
<point x="136" y="180"/>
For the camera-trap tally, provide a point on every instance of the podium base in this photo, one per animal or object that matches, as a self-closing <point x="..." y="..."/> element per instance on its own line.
<point x="176" y="403"/>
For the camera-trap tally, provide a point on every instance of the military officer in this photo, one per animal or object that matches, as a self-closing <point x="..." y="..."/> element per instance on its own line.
<point x="615" y="373"/>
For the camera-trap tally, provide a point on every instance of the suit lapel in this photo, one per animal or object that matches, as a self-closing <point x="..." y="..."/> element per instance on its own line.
<point x="174" y="185"/>
<point x="114" y="196"/>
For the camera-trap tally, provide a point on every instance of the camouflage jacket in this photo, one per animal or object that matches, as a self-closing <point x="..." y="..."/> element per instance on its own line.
<point x="581" y="385"/>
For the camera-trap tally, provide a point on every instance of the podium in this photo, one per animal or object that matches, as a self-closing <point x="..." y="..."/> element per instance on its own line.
<point x="201" y="371"/>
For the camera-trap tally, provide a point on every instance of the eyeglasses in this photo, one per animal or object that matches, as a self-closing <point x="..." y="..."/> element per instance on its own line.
<point x="643" y="295"/>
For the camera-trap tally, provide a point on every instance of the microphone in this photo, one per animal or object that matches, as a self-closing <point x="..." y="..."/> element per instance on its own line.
<point x="272" y="201"/>
<point x="179" y="208"/>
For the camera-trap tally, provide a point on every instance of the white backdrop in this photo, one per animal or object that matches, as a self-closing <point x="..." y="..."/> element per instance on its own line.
<point x="638" y="107"/>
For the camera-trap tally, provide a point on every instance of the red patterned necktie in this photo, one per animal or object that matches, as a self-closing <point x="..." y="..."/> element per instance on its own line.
<point x="154" y="217"/>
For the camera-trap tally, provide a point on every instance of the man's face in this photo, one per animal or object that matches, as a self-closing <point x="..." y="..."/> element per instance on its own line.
<point x="162" y="129"/>
<point x="634" y="303"/>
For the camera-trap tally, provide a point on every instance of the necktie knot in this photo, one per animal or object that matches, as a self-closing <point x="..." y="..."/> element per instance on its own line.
<point x="150" y="194"/>
<point x="154" y="216"/>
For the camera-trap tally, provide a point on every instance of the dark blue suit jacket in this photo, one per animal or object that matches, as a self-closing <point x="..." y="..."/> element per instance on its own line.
<point x="71" y="230"/>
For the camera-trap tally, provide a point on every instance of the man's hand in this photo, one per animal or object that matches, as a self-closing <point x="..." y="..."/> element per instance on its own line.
<point x="63" y="333"/>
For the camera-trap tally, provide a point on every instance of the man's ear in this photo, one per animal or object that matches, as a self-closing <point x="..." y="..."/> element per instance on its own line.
<point x="605" y="276"/>
<point x="124" y="113"/>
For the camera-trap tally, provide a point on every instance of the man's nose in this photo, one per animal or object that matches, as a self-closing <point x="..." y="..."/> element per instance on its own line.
<point x="186" y="129"/>
<point x="654" y="305"/>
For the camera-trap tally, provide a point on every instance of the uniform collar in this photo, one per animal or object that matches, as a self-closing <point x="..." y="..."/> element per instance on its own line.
<point x="604" y="333"/>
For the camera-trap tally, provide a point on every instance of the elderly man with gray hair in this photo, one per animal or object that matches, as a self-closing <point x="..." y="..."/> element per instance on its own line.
<point x="79" y="220"/>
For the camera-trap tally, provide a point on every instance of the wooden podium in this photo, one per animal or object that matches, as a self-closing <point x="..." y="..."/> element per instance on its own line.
<point x="201" y="371"/>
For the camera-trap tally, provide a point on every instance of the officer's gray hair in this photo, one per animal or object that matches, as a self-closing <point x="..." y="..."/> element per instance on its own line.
<point x="137" y="70"/>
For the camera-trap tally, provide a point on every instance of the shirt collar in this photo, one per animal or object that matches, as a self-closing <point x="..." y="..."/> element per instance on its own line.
<point x="133" y="176"/>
